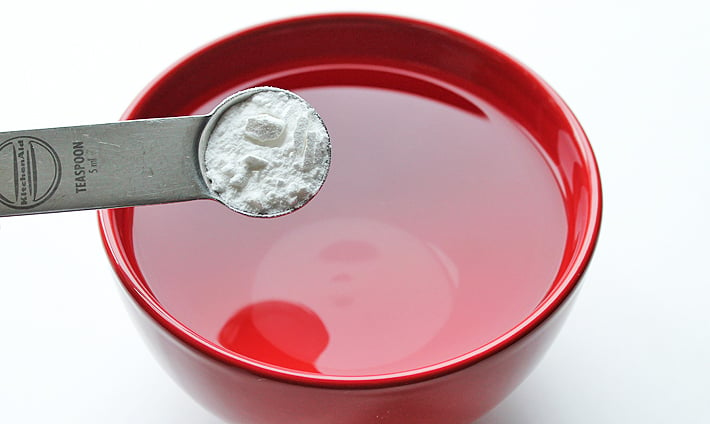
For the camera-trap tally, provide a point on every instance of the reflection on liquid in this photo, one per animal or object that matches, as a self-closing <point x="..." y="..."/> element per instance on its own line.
<point x="379" y="294"/>
<point x="276" y="332"/>
<point x="349" y="251"/>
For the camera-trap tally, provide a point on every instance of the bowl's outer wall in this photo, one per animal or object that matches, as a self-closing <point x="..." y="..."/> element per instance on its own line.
<point x="240" y="396"/>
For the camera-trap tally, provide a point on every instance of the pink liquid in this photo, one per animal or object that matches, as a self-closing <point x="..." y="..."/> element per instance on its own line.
<point x="439" y="228"/>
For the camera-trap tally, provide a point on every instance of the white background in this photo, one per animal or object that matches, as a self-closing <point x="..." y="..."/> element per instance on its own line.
<point x="636" y="348"/>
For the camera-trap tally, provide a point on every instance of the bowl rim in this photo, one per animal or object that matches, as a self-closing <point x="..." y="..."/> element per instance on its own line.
<point x="130" y="278"/>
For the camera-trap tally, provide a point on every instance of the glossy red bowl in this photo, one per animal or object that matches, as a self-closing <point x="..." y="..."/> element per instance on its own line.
<point x="326" y="49"/>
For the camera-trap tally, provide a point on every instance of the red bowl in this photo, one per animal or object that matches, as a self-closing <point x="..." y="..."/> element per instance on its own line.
<point x="330" y="50"/>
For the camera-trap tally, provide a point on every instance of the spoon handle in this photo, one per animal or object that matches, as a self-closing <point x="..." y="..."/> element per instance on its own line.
<point x="126" y="163"/>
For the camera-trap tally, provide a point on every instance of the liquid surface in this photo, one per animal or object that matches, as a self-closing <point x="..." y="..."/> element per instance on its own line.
<point x="437" y="230"/>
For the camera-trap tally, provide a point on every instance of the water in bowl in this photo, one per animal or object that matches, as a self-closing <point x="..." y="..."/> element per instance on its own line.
<point x="440" y="227"/>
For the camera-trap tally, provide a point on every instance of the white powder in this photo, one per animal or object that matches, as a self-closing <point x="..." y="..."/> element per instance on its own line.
<point x="268" y="154"/>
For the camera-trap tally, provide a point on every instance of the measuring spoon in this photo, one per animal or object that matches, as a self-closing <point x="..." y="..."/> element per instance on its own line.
<point x="127" y="163"/>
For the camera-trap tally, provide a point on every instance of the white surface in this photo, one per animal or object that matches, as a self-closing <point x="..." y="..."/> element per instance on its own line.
<point x="636" y="346"/>
<point x="289" y="165"/>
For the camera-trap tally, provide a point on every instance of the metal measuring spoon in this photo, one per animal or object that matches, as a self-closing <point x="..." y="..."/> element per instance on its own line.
<point x="127" y="163"/>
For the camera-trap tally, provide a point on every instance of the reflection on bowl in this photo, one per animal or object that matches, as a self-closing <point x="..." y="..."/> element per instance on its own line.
<point x="281" y="333"/>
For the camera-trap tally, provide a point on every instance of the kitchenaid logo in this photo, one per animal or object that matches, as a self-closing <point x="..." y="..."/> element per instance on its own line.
<point x="29" y="172"/>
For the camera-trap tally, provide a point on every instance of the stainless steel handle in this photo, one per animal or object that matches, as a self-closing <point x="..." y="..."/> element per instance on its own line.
<point x="101" y="166"/>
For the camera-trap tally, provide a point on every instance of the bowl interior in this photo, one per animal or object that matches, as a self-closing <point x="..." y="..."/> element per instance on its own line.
<point x="461" y="207"/>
